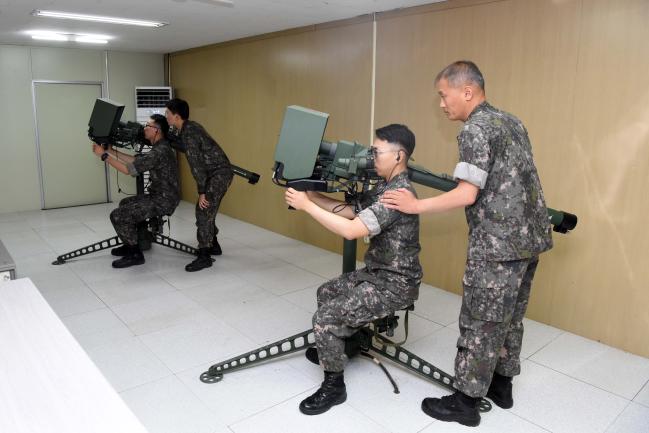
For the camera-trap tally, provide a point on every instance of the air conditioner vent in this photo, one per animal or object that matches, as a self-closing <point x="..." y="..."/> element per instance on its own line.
<point x="152" y="97"/>
<point x="150" y="100"/>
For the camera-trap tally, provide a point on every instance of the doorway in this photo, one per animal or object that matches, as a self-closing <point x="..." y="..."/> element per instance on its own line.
<point x="70" y="174"/>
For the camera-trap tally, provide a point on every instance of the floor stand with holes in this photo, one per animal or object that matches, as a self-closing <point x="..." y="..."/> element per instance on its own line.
<point x="371" y="343"/>
<point x="148" y="232"/>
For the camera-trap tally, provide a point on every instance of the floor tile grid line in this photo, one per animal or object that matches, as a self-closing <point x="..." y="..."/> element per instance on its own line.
<point x="152" y="353"/>
<point x="546" y="344"/>
<point x="92" y="230"/>
<point x="455" y="326"/>
<point x="191" y="367"/>
<point x="577" y="379"/>
<point x="450" y="325"/>
<point x="126" y="325"/>
<point x="617" y="417"/>
<point x="271" y="407"/>
<point x="308" y="391"/>
<point x="477" y="429"/>
<point x="140" y="340"/>
<point x="646" y="384"/>
<point x="139" y="385"/>
<point x="527" y="420"/>
<point x="306" y="270"/>
<point x="257" y="412"/>
<point x="293" y="264"/>
<point x="86" y="285"/>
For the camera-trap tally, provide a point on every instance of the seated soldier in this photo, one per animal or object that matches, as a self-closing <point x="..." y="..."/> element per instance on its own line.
<point x="392" y="274"/>
<point x="164" y="192"/>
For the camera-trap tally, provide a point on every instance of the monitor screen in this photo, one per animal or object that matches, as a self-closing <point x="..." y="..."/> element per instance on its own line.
<point x="104" y="118"/>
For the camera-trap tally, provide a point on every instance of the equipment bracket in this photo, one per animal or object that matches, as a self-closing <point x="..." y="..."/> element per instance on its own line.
<point x="306" y="339"/>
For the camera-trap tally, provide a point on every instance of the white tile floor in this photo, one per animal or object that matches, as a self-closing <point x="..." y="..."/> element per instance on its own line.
<point x="153" y="329"/>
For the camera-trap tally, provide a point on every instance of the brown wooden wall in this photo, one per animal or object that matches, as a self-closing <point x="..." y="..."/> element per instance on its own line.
<point x="573" y="70"/>
<point x="239" y="92"/>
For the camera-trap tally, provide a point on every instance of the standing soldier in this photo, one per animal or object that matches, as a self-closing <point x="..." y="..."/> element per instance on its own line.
<point x="163" y="196"/>
<point x="392" y="274"/>
<point x="508" y="229"/>
<point x="213" y="174"/>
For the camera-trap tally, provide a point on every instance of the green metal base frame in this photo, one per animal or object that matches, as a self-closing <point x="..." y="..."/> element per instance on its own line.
<point x="88" y="249"/>
<point x="144" y="243"/>
<point x="369" y="343"/>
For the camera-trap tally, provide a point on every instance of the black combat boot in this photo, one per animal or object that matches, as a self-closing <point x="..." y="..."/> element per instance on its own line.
<point x="456" y="407"/>
<point x="120" y="251"/>
<point x="201" y="262"/>
<point x="500" y="391"/>
<point x="132" y="257"/>
<point x="216" y="248"/>
<point x="331" y="392"/>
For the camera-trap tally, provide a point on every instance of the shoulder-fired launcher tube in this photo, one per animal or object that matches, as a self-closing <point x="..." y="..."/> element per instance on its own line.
<point x="561" y="221"/>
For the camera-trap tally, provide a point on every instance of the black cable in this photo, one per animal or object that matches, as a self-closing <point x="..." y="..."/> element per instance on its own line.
<point x="119" y="188"/>
<point x="339" y="207"/>
<point x="385" y="370"/>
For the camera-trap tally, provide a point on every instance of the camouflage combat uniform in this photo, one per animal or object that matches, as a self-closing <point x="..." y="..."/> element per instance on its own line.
<point x="508" y="228"/>
<point x="163" y="196"/>
<point x="213" y="174"/>
<point x="390" y="280"/>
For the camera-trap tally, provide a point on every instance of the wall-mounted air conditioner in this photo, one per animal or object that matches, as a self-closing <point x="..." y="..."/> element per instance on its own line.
<point x="151" y="100"/>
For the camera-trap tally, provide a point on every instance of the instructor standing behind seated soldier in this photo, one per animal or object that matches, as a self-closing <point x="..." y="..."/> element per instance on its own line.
<point x="508" y="229"/>
<point x="213" y="174"/>
<point x="163" y="196"/>
<point x="392" y="274"/>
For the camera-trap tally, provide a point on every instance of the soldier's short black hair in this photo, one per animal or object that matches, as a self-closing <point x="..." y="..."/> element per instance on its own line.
<point x="179" y="106"/>
<point x="398" y="134"/>
<point x="162" y="123"/>
<point x="460" y="73"/>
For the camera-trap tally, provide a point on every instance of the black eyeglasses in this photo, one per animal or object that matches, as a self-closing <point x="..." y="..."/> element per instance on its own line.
<point x="151" y="126"/>
<point x="375" y="151"/>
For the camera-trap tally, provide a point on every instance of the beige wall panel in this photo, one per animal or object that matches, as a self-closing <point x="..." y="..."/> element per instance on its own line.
<point x="610" y="149"/>
<point x="68" y="64"/>
<point x="18" y="165"/>
<point x="563" y="68"/>
<point x="125" y="72"/>
<point x="239" y="92"/>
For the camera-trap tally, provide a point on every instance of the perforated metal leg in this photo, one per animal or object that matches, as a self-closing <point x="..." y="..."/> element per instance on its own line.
<point x="420" y="366"/>
<point x="306" y="339"/>
<point x="166" y="241"/>
<point x="88" y="249"/>
<point x="283" y="347"/>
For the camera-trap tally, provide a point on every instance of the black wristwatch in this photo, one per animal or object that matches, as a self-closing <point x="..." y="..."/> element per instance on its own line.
<point x="104" y="156"/>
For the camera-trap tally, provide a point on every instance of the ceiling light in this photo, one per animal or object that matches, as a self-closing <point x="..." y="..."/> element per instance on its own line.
<point x="90" y="40"/>
<point x="96" y="18"/>
<point x="48" y="36"/>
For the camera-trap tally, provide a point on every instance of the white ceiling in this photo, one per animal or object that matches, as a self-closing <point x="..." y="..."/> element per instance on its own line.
<point x="192" y="23"/>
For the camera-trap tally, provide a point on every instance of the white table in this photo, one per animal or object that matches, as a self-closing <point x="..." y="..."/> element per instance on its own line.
<point x="47" y="382"/>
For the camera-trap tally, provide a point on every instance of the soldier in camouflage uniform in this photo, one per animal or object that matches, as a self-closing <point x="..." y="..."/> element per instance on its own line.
<point x="392" y="273"/>
<point x="163" y="196"/>
<point x="213" y="174"/>
<point x="508" y="229"/>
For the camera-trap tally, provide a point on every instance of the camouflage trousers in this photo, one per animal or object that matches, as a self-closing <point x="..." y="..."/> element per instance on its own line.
<point x="491" y="322"/>
<point x="206" y="228"/>
<point x="134" y="210"/>
<point x="345" y="304"/>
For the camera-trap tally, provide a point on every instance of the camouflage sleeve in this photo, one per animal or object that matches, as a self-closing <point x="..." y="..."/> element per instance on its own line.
<point x="144" y="162"/>
<point x="193" y="143"/>
<point x="371" y="222"/>
<point x="474" y="156"/>
<point x="377" y="217"/>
